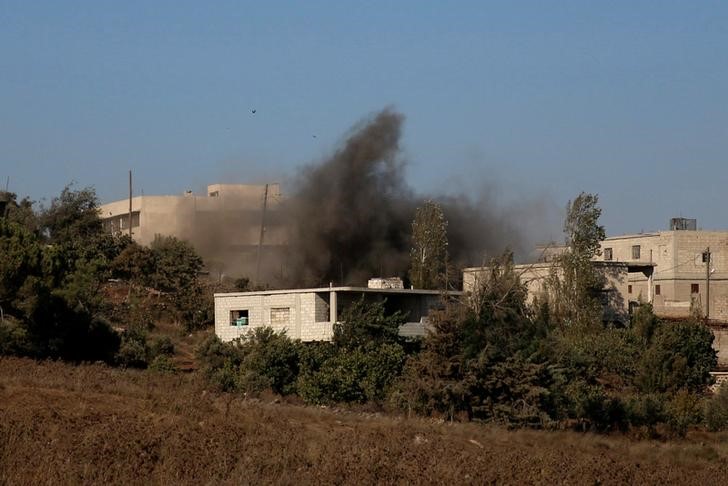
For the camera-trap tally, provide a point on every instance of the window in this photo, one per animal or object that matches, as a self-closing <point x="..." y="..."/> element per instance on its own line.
<point x="657" y="290"/>
<point x="607" y="254"/>
<point x="694" y="288"/>
<point x="629" y="289"/>
<point x="280" y="316"/>
<point x="239" y="317"/>
<point x="635" y="252"/>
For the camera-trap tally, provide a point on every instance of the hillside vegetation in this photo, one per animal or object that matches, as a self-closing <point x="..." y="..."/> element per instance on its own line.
<point x="85" y="424"/>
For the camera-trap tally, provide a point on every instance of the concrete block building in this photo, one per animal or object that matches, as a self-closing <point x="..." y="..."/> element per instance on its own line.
<point x="309" y="314"/>
<point x="675" y="270"/>
<point x="224" y="225"/>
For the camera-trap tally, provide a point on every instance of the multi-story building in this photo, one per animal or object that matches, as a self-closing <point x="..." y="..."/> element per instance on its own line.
<point x="675" y="269"/>
<point x="225" y="225"/>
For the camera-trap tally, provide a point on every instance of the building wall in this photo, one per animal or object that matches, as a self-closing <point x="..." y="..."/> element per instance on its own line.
<point x="678" y="266"/>
<point x="223" y="225"/>
<point x="266" y="310"/>
<point x="309" y="313"/>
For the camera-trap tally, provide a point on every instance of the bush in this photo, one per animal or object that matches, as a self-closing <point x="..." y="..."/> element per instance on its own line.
<point x="220" y="362"/>
<point x="162" y="346"/>
<point x="162" y="364"/>
<point x="682" y="412"/>
<point x="260" y="360"/>
<point x="716" y="410"/>
<point x="645" y="410"/>
<point x="133" y="351"/>
<point x="594" y="408"/>
<point x="354" y="376"/>
<point x="680" y="356"/>
<point x="270" y="360"/>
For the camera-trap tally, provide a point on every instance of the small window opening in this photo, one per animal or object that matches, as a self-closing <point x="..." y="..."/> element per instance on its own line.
<point x="629" y="289"/>
<point x="657" y="290"/>
<point x="239" y="317"/>
<point x="694" y="288"/>
<point x="635" y="252"/>
<point x="607" y="254"/>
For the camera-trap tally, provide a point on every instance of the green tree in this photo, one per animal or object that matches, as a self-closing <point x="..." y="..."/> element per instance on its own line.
<point x="176" y="264"/>
<point x="72" y="216"/>
<point x="20" y="212"/>
<point x="366" y="325"/>
<point x="428" y="256"/>
<point x="482" y="361"/>
<point x="680" y="356"/>
<point x="575" y="284"/>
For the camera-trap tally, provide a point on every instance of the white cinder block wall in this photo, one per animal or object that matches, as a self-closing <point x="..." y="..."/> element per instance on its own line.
<point x="308" y="317"/>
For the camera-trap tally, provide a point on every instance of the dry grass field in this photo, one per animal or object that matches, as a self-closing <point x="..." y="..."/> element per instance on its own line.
<point x="64" y="424"/>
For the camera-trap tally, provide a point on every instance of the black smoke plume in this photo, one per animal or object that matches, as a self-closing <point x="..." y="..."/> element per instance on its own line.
<point x="351" y="215"/>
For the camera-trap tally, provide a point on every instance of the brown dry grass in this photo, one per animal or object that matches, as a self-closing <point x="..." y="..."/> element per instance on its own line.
<point x="63" y="424"/>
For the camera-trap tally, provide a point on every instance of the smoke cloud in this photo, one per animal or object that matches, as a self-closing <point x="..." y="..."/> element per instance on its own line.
<point x="350" y="215"/>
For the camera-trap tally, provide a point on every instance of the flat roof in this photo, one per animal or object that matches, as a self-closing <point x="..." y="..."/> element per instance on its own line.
<point x="341" y="289"/>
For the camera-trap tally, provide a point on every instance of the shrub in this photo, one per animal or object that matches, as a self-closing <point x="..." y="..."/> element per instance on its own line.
<point x="682" y="412"/>
<point x="270" y="360"/>
<point x="594" y="407"/>
<point x="133" y="351"/>
<point x="162" y="364"/>
<point x="352" y="376"/>
<point x="261" y="359"/>
<point x="680" y="357"/>
<point x="219" y="362"/>
<point x="645" y="410"/>
<point x="162" y="346"/>
<point x="716" y="410"/>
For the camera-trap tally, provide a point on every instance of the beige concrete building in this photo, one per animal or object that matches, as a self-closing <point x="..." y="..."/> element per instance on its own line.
<point x="224" y="224"/>
<point x="679" y="274"/>
<point x="309" y="314"/>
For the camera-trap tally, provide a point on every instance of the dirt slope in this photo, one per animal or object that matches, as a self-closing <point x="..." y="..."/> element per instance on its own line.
<point x="91" y="424"/>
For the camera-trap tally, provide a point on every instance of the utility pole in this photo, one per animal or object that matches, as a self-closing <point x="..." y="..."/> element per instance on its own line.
<point x="130" y="204"/>
<point x="262" y="234"/>
<point x="706" y="259"/>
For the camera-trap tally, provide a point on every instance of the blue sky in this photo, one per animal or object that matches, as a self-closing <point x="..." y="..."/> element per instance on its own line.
<point x="531" y="100"/>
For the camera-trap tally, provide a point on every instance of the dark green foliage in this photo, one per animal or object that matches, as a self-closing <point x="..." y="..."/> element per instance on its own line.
<point x="716" y="410"/>
<point x="263" y="359"/>
<point x="354" y="376"/>
<point x="644" y="323"/>
<point x="683" y="411"/>
<point x="680" y="356"/>
<point x="134" y="351"/>
<point x="270" y="360"/>
<point x="365" y="357"/>
<point x="162" y="364"/>
<point x="20" y="212"/>
<point x="162" y="346"/>
<point x="50" y="280"/>
<point x="72" y="216"/>
<point x="220" y="362"/>
<point x="483" y="361"/>
<point x="176" y="264"/>
<point x="365" y="325"/>
<point x="594" y="407"/>
<point x="171" y="266"/>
